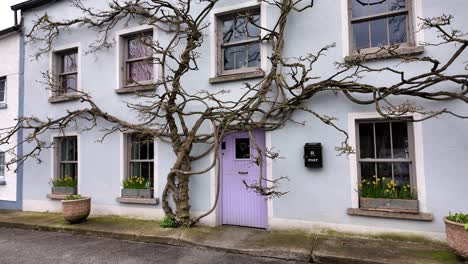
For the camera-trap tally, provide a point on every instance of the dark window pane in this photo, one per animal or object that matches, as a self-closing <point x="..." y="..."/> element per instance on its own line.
<point x="359" y="8"/>
<point x="241" y="28"/>
<point x="143" y="146"/>
<point x="2" y="90"/>
<point x="68" y="149"/>
<point x="379" y="32"/>
<point x="400" y="140"/>
<point x="401" y="173"/>
<point x="254" y="55"/>
<point x="2" y="164"/>
<point x="140" y="71"/>
<point x="361" y="35"/>
<point x="68" y="84"/>
<point x="366" y="140"/>
<point x="384" y="170"/>
<point x="395" y="5"/>
<point x="242" y="148"/>
<point x="235" y="57"/>
<point x="397" y="29"/>
<point x="69" y="170"/>
<point x="382" y="137"/>
<point x="377" y="6"/>
<point x="140" y="46"/>
<point x="69" y="62"/>
<point x="362" y="8"/>
<point x="367" y="171"/>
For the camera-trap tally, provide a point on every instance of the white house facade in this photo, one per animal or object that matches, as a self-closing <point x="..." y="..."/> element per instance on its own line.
<point x="428" y="157"/>
<point x="9" y="110"/>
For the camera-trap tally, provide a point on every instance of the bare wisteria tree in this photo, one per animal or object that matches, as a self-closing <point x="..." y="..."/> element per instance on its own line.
<point x="178" y="113"/>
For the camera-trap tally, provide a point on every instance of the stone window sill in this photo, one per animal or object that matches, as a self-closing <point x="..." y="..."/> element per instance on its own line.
<point x="64" y="98"/>
<point x="390" y="214"/>
<point x="379" y="53"/>
<point x="237" y="77"/>
<point x="56" y="196"/>
<point x="3" y="105"/>
<point x="152" y="201"/>
<point x="135" y="89"/>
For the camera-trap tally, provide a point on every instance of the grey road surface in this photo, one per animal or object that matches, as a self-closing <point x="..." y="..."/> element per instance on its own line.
<point x="34" y="247"/>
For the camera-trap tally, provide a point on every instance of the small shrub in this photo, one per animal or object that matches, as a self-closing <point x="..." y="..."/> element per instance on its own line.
<point x="136" y="182"/>
<point x="73" y="197"/>
<point x="66" y="181"/>
<point x="168" y="222"/>
<point x="459" y="218"/>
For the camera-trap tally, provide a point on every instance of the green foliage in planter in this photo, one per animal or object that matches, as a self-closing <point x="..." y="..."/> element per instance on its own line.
<point x="136" y="182"/>
<point x="73" y="197"/>
<point x="459" y="218"/>
<point x="385" y="188"/>
<point x="66" y="181"/>
<point x="168" y="222"/>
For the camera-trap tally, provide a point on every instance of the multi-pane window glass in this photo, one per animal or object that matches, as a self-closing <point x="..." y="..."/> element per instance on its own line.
<point x="242" y="148"/>
<point x="385" y="151"/>
<point x="67" y="157"/>
<point x="240" y="42"/>
<point x="2" y="90"/>
<point x="68" y="72"/>
<point x="139" y="53"/>
<point x="2" y="166"/>
<point x="141" y="158"/>
<point x="377" y="23"/>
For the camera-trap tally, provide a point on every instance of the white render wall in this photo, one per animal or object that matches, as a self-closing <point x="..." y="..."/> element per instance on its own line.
<point x="9" y="68"/>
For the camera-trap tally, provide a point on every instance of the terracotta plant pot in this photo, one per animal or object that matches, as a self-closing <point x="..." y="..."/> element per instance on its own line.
<point x="457" y="237"/>
<point x="76" y="211"/>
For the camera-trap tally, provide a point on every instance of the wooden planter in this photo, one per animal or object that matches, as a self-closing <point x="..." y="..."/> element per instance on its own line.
<point x="76" y="211"/>
<point x="137" y="193"/>
<point x="457" y="237"/>
<point x="397" y="205"/>
<point x="64" y="190"/>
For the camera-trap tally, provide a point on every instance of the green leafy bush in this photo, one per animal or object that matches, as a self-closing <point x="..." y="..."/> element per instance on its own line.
<point x="459" y="218"/>
<point x="73" y="197"/>
<point x="385" y="188"/>
<point x="168" y="222"/>
<point x="136" y="182"/>
<point x="66" y="181"/>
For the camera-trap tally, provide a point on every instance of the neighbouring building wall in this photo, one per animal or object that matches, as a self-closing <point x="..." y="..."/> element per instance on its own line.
<point x="317" y="197"/>
<point x="9" y="72"/>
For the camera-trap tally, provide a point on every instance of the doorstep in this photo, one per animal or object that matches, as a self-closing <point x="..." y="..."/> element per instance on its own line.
<point x="288" y="245"/>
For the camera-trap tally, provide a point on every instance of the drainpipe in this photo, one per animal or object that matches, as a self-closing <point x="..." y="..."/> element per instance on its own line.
<point x="19" y="174"/>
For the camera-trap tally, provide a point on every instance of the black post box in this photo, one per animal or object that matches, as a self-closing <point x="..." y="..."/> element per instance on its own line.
<point x="313" y="155"/>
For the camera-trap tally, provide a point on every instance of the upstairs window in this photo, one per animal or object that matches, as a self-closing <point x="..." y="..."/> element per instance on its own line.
<point x="138" y="57"/>
<point x="67" y="71"/>
<point x="2" y="90"/>
<point x="377" y="23"/>
<point x="239" y="42"/>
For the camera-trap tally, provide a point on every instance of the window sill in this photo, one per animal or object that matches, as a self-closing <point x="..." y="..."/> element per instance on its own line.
<point x="135" y="89"/>
<point x="153" y="201"/>
<point x="56" y="196"/>
<point x="64" y="98"/>
<point x="237" y="77"/>
<point x="3" y="106"/>
<point x="2" y="182"/>
<point x="390" y="214"/>
<point x="379" y="53"/>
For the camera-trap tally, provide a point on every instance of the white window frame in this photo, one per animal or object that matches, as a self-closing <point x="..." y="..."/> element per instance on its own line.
<point x="125" y="160"/>
<point x="216" y="59"/>
<point x="121" y="55"/>
<point x="417" y="36"/>
<point x="55" y="62"/>
<point x="4" y="80"/>
<point x="54" y="156"/>
<point x="418" y="162"/>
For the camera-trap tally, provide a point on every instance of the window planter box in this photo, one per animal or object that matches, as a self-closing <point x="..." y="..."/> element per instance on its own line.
<point x="137" y="193"/>
<point x="395" y="205"/>
<point x="64" y="190"/>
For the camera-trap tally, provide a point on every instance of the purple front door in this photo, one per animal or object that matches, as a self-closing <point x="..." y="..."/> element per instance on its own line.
<point x="241" y="206"/>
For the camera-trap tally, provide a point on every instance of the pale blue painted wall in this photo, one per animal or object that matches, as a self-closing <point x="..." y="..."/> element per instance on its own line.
<point x="315" y="195"/>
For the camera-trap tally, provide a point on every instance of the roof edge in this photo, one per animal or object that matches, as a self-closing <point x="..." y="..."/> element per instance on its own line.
<point x="6" y="31"/>
<point x="31" y="4"/>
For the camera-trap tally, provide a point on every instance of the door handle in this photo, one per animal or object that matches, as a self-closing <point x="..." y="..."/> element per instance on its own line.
<point x="243" y="172"/>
